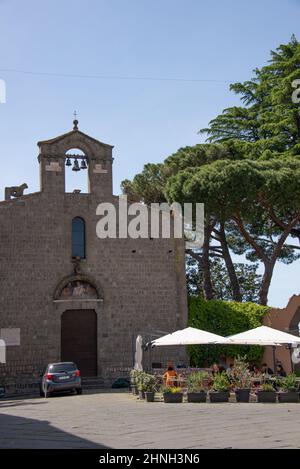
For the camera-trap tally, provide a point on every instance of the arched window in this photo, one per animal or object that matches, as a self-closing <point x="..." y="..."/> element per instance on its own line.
<point x="78" y="238"/>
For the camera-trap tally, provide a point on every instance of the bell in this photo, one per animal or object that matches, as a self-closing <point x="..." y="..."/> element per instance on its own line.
<point x="68" y="162"/>
<point x="83" y="164"/>
<point x="76" y="166"/>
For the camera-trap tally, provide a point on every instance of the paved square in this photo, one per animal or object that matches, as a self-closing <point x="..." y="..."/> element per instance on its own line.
<point x="120" y="421"/>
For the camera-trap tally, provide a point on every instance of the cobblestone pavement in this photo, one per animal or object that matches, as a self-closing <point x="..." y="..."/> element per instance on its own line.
<point x="120" y="421"/>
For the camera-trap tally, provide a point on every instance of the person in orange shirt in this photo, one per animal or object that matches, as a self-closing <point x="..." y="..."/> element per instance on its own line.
<point x="170" y="376"/>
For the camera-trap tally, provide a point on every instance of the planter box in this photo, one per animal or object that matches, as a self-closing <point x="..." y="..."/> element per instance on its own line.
<point x="171" y="398"/>
<point x="242" y="395"/>
<point x="266" y="396"/>
<point x="150" y="396"/>
<point x="219" y="396"/>
<point x="196" y="396"/>
<point x="290" y="396"/>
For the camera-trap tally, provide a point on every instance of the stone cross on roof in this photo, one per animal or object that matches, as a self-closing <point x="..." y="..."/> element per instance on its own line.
<point x="75" y="121"/>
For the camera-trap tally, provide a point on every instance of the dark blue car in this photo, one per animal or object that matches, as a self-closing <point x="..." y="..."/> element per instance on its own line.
<point x="60" y="377"/>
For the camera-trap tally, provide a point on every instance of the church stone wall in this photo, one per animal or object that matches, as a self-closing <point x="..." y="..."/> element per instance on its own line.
<point x="142" y="283"/>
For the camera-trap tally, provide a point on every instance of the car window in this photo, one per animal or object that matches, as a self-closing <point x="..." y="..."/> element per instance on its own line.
<point x="60" y="368"/>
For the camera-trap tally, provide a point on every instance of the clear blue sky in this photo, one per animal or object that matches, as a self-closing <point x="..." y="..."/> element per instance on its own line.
<point x="145" y="120"/>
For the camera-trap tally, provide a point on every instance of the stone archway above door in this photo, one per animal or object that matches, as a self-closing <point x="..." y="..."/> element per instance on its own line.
<point x="77" y="287"/>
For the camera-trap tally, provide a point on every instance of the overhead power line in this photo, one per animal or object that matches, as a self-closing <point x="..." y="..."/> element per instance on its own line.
<point x="115" y="77"/>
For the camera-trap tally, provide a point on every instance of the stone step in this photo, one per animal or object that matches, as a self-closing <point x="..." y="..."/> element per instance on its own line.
<point x="93" y="382"/>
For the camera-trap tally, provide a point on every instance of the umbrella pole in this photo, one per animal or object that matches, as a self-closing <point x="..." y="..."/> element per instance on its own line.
<point x="274" y="358"/>
<point x="292" y="364"/>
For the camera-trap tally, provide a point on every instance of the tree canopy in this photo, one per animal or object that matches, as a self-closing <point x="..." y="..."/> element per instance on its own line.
<point x="247" y="175"/>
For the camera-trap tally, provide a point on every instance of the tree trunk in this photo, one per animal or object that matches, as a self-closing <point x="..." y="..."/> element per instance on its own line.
<point x="235" y="286"/>
<point x="266" y="282"/>
<point x="208" y="291"/>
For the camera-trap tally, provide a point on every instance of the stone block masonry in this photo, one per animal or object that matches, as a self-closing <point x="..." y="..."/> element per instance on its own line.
<point x="140" y="283"/>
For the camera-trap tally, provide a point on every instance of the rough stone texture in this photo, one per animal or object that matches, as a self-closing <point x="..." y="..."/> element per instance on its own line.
<point x="121" y="421"/>
<point x="141" y="281"/>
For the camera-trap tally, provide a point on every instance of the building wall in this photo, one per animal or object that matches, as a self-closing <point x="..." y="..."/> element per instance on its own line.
<point x="286" y="320"/>
<point x="141" y="282"/>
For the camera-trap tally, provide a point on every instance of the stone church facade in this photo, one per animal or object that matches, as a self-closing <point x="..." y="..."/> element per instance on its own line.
<point x="88" y="307"/>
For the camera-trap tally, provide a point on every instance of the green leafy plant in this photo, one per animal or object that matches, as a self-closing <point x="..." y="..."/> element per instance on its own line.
<point x="198" y="381"/>
<point x="221" y="382"/>
<point x="240" y="373"/>
<point x="224" y="318"/>
<point x="289" y="383"/>
<point x="267" y="387"/>
<point x="146" y="382"/>
<point x="135" y="376"/>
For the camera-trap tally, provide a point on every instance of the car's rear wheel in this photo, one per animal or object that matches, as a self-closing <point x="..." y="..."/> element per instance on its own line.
<point x="79" y="391"/>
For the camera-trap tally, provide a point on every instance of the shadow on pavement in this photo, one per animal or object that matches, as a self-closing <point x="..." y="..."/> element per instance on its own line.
<point x="19" y="432"/>
<point x="16" y="403"/>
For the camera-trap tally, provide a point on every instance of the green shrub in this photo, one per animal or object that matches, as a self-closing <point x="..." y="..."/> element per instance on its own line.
<point x="297" y="373"/>
<point x="221" y="382"/>
<point x="135" y="376"/>
<point x="146" y="382"/>
<point x="224" y="318"/>
<point x="267" y="387"/>
<point x="198" y="381"/>
<point x="240" y="373"/>
<point x="289" y="383"/>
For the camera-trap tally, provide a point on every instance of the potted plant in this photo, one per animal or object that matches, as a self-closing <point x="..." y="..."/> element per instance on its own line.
<point x="147" y="386"/>
<point x="288" y="389"/>
<point x="197" y="384"/>
<point x="220" y="388"/>
<point x="266" y="394"/>
<point x="134" y="378"/>
<point x="141" y="385"/>
<point x="241" y="379"/>
<point x="172" y="394"/>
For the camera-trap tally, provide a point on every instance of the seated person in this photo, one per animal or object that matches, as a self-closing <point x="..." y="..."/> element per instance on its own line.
<point x="266" y="370"/>
<point x="215" y="369"/>
<point x="256" y="371"/>
<point x="230" y="372"/>
<point x="170" y="376"/>
<point x="280" y="371"/>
